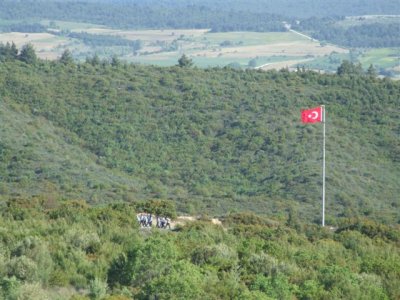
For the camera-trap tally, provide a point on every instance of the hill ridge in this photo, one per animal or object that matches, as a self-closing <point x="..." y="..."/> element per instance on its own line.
<point x="219" y="140"/>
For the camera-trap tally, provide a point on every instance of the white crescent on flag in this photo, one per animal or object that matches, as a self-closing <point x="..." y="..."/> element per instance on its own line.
<point x="314" y="115"/>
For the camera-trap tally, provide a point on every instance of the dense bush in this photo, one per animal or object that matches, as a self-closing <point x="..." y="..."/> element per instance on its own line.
<point x="200" y="261"/>
<point x="211" y="141"/>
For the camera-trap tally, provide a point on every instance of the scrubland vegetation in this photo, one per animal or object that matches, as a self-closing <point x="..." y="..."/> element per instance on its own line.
<point x="84" y="147"/>
<point x="73" y="251"/>
<point x="213" y="140"/>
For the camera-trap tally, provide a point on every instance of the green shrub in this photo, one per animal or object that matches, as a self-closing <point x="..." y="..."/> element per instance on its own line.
<point x="182" y="281"/>
<point x="97" y="289"/>
<point x="79" y="297"/>
<point x="58" y="278"/>
<point x="277" y="286"/>
<point x="23" y="268"/>
<point x="312" y="290"/>
<point x="9" y="288"/>
<point x="220" y="256"/>
<point x="37" y="251"/>
<point x="32" y="291"/>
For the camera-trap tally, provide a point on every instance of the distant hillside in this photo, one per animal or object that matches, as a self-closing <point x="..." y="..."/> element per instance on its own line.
<point x="221" y="15"/>
<point x="293" y="8"/>
<point x="363" y="31"/>
<point x="140" y="15"/>
<point x="213" y="140"/>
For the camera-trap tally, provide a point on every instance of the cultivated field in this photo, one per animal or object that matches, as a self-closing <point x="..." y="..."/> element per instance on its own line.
<point x="219" y="49"/>
<point x="384" y="57"/>
<point x="148" y="36"/>
<point x="271" y="50"/>
<point x="47" y="46"/>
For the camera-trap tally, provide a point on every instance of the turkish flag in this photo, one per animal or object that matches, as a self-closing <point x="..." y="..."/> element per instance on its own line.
<point x="312" y="115"/>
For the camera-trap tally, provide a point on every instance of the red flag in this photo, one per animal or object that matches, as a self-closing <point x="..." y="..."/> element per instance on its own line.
<point x="312" y="115"/>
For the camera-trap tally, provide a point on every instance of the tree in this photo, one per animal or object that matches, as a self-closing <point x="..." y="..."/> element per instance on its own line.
<point x="176" y="284"/>
<point x="349" y="68"/>
<point x="94" y="61"/>
<point x="28" y="54"/>
<point x="13" y="51"/>
<point x="115" y="62"/>
<point x="66" y="58"/>
<point x="252" y="63"/>
<point x="293" y="220"/>
<point x="8" y="52"/>
<point x="371" y="72"/>
<point x="185" y="62"/>
<point x="234" y="65"/>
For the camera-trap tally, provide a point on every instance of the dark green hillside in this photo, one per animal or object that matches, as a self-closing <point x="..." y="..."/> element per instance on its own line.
<point x="136" y="14"/>
<point x="377" y="34"/>
<point x="214" y="140"/>
<point x="38" y="159"/>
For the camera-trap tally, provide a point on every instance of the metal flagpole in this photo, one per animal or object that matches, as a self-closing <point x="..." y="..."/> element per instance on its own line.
<point x="323" y="166"/>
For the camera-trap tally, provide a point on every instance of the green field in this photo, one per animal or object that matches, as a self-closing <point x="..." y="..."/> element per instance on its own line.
<point x="383" y="58"/>
<point x="70" y="25"/>
<point x="251" y="38"/>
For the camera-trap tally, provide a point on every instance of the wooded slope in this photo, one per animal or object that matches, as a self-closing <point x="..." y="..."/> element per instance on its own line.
<point x="213" y="140"/>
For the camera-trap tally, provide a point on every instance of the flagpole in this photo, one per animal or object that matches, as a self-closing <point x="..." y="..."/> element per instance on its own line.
<point x="323" y="166"/>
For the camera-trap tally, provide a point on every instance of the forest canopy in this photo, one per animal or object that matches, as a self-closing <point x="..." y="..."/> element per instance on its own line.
<point x="212" y="140"/>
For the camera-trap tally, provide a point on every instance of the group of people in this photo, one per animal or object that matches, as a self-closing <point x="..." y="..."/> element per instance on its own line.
<point x="146" y="220"/>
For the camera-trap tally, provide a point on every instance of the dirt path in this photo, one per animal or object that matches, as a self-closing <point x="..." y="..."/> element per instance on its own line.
<point x="182" y="220"/>
<point x="303" y="35"/>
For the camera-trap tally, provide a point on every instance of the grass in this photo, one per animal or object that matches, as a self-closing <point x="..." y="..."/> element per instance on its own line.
<point x="219" y="61"/>
<point x="328" y="63"/>
<point x="71" y="25"/>
<point x="251" y="38"/>
<point x="382" y="58"/>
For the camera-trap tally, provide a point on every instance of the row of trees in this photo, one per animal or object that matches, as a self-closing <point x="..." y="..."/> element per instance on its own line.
<point x="9" y="52"/>
<point x="23" y="27"/>
<point x="103" y="40"/>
